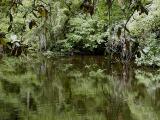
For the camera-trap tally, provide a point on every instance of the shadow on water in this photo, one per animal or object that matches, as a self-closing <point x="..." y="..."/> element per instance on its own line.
<point x="79" y="87"/>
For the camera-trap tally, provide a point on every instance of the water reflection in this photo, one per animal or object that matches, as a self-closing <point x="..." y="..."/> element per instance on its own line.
<point x="80" y="87"/>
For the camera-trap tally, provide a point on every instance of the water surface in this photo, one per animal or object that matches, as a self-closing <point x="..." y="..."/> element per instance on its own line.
<point x="77" y="88"/>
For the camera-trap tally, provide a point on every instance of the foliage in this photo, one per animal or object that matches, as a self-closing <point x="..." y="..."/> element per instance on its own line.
<point x="85" y="34"/>
<point x="144" y="23"/>
<point x="146" y="29"/>
<point x="150" y="52"/>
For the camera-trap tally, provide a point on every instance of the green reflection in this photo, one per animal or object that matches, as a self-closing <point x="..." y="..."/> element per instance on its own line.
<point x="80" y="87"/>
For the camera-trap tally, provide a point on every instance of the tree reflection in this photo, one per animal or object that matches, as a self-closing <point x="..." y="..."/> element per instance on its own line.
<point x="77" y="88"/>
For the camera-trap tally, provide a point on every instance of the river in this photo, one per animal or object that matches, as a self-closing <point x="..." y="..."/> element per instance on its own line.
<point x="78" y="88"/>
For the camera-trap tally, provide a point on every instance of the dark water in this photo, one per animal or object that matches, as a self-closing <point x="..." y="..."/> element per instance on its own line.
<point x="77" y="88"/>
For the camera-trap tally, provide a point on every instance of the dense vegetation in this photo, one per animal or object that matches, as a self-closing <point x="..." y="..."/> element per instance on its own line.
<point x="127" y="29"/>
